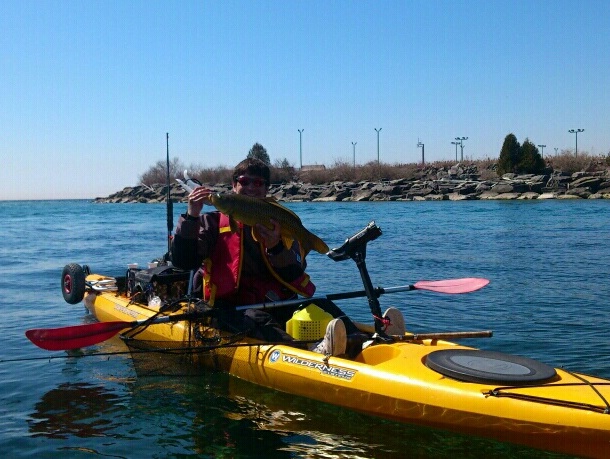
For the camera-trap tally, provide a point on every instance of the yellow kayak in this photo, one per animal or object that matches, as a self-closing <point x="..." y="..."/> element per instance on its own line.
<point x="425" y="380"/>
<point x="422" y="381"/>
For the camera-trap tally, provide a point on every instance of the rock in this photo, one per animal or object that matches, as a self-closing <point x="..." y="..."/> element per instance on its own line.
<point x="458" y="197"/>
<point x="507" y="196"/>
<point x="548" y="196"/>
<point x="488" y="195"/>
<point x="590" y="183"/>
<point x="583" y="193"/>
<point x="529" y="195"/>
<point x="457" y="183"/>
<point x="361" y="195"/>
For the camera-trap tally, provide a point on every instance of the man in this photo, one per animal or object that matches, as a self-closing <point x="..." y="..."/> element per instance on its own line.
<point x="239" y="270"/>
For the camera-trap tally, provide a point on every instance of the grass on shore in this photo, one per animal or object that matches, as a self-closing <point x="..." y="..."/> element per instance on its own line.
<point x="344" y="171"/>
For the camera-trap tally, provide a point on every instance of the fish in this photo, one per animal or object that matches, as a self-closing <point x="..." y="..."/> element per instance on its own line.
<point x="250" y="211"/>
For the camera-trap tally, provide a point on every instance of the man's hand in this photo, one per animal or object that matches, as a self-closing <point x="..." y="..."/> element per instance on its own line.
<point x="269" y="237"/>
<point x="198" y="197"/>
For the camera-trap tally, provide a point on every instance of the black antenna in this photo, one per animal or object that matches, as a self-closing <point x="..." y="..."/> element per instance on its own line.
<point x="170" y="204"/>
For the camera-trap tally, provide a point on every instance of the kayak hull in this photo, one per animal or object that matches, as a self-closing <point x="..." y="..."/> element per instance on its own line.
<point x="566" y="414"/>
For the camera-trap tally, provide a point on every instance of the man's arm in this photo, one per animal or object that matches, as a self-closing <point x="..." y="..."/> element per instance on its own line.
<point x="193" y="239"/>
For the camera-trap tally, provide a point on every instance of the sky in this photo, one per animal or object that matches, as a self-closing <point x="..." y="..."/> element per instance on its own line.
<point x="90" y="88"/>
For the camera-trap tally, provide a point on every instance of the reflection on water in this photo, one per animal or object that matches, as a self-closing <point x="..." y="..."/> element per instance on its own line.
<point x="74" y="409"/>
<point x="217" y="415"/>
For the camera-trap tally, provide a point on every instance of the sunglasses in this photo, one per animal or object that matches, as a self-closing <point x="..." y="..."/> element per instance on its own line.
<point x="245" y="181"/>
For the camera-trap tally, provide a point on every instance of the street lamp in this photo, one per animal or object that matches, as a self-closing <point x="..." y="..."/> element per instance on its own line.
<point x="378" y="131"/>
<point x="556" y="151"/>
<point x="420" y="144"/>
<point x="354" y="146"/>
<point x="576" y="131"/>
<point x="461" y="139"/>
<point x="542" y="150"/>
<point x="301" y="146"/>
<point x="456" y="144"/>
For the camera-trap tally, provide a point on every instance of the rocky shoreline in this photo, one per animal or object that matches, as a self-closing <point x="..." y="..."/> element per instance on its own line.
<point x="457" y="183"/>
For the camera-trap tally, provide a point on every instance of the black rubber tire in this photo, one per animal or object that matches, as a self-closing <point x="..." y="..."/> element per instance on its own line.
<point x="489" y="367"/>
<point x="73" y="283"/>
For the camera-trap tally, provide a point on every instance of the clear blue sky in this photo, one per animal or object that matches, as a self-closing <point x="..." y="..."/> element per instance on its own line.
<point x="90" y="88"/>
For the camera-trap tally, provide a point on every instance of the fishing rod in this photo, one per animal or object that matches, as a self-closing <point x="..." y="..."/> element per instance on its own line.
<point x="169" y="202"/>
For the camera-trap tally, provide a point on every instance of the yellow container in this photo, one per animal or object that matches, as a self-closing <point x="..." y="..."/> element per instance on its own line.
<point x="309" y="323"/>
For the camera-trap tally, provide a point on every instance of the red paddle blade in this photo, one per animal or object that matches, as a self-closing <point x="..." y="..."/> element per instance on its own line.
<point x="464" y="285"/>
<point x="74" y="337"/>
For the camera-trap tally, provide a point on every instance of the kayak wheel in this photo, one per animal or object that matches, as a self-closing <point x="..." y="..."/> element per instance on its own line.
<point x="488" y="367"/>
<point x="73" y="283"/>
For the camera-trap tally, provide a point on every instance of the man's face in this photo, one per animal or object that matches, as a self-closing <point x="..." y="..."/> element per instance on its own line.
<point x="250" y="185"/>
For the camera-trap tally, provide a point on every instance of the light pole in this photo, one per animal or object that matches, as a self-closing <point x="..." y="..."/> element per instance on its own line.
<point x="576" y="131"/>
<point x="378" y="131"/>
<point x="420" y="144"/>
<point x="556" y="151"/>
<point x="542" y="150"/>
<point x="354" y="147"/>
<point x="456" y="144"/>
<point x="461" y="139"/>
<point x="301" y="146"/>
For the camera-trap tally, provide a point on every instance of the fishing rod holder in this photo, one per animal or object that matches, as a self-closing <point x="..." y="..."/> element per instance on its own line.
<point x="356" y="245"/>
<point x="355" y="248"/>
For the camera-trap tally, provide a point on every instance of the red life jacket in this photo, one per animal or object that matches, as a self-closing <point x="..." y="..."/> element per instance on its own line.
<point x="222" y="273"/>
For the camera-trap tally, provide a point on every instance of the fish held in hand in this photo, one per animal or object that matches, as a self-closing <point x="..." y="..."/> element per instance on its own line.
<point x="251" y="211"/>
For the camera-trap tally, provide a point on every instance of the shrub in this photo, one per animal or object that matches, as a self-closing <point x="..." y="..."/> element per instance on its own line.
<point x="567" y="163"/>
<point x="282" y="171"/>
<point x="157" y="174"/>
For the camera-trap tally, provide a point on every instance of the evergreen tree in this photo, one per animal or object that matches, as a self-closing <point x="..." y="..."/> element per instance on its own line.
<point x="530" y="160"/>
<point x="259" y="152"/>
<point x="509" y="155"/>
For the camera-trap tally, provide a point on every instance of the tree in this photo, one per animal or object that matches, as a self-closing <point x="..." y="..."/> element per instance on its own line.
<point x="520" y="159"/>
<point x="259" y="152"/>
<point x="509" y="155"/>
<point x="530" y="160"/>
<point x="158" y="173"/>
<point x="282" y="171"/>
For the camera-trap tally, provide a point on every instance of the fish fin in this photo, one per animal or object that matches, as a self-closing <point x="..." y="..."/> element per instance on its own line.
<point x="255" y="234"/>
<point x="313" y="242"/>
<point x="275" y="202"/>
<point x="320" y="246"/>
<point x="233" y="224"/>
<point x="287" y="241"/>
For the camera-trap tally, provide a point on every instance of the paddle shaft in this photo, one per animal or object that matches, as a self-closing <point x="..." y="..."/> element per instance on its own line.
<point x="378" y="291"/>
<point x="331" y="297"/>
<point x="430" y="335"/>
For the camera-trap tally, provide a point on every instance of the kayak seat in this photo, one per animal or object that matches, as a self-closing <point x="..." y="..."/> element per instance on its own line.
<point x="473" y="365"/>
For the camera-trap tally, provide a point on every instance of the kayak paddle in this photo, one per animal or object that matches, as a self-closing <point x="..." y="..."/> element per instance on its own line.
<point x="450" y="286"/>
<point x="77" y="336"/>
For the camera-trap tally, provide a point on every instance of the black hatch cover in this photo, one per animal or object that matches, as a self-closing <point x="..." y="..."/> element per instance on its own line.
<point x="473" y="365"/>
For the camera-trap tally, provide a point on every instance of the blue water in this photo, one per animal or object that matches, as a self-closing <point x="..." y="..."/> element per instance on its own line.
<point x="548" y="299"/>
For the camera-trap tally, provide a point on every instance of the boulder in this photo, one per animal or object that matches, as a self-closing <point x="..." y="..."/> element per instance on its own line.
<point x="587" y="182"/>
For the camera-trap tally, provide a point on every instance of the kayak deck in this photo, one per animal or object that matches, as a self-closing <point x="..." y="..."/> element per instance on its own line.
<point x="568" y="414"/>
